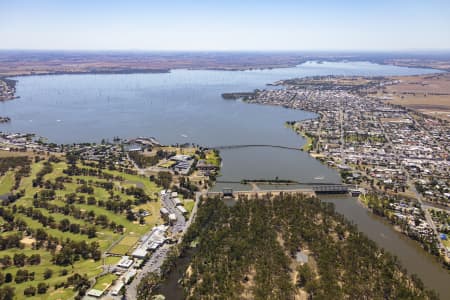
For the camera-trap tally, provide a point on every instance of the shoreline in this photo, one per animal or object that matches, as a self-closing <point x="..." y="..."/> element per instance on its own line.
<point x="226" y="96"/>
<point x="425" y="244"/>
<point x="397" y="228"/>
<point x="106" y="72"/>
<point x="261" y="67"/>
<point x="438" y="258"/>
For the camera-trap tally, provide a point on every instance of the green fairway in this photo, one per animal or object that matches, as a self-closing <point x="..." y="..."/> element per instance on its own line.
<point x="6" y="182"/>
<point x="125" y="245"/>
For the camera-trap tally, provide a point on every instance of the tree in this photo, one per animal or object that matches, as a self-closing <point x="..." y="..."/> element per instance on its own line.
<point x="164" y="179"/>
<point x="48" y="273"/>
<point x="80" y="283"/>
<point x="304" y="276"/>
<point x="147" y="285"/>
<point x="6" y="261"/>
<point x="7" y="293"/>
<point x="34" y="259"/>
<point x="42" y="288"/>
<point x="64" y="225"/>
<point x="19" y="259"/>
<point x="30" y="291"/>
<point x="130" y="215"/>
<point x="21" y="276"/>
<point x="91" y="232"/>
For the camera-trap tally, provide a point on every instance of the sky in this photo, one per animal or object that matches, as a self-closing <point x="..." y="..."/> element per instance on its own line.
<point x="206" y="25"/>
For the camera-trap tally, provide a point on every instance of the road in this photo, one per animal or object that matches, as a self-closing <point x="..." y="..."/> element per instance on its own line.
<point x="152" y="265"/>
<point x="157" y="258"/>
<point x="194" y="210"/>
<point x="412" y="187"/>
<point x="341" y="126"/>
<point x="169" y="204"/>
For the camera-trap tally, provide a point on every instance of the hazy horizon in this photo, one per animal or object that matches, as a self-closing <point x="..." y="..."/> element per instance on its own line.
<point x="237" y="26"/>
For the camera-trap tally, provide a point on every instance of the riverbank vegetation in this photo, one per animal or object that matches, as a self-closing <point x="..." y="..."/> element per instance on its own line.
<point x="310" y="141"/>
<point x="408" y="217"/>
<point x="265" y="249"/>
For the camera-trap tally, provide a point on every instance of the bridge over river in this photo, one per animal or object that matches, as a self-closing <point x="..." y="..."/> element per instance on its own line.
<point x="254" y="146"/>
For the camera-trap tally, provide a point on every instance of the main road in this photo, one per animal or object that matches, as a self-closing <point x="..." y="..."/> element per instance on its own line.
<point x="157" y="258"/>
<point x="412" y="187"/>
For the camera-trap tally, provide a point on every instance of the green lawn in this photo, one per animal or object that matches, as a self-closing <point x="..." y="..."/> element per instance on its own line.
<point x="6" y="182"/>
<point x="105" y="281"/>
<point x="189" y="205"/>
<point x="58" y="169"/>
<point x="212" y="158"/>
<point x="446" y="243"/>
<point x="112" y="260"/>
<point x="125" y="244"/>
<point x="167" y="164"/>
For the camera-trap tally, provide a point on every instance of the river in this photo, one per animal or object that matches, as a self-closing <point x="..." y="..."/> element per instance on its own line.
<point x="412" y="257"/>
<point x="186" y="106"/>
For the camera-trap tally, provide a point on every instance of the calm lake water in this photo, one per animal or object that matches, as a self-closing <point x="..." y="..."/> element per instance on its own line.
<point x="177" y="107"/>
<point x="186" y="106"/>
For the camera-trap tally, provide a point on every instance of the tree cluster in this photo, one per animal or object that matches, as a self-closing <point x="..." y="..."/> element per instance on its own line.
<point x="250" y="248"/>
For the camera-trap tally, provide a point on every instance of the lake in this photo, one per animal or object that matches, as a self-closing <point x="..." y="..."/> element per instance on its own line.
<point x="178" y="107"/>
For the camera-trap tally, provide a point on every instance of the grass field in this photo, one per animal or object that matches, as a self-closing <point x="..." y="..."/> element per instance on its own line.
<point x="103" y="282"/>
<point x="112" y="260"/>
<point x="429" y="94"/>
<point x="167" y="164"/>
<point x="189" y="205"/>
<point x="212" y="158"/>
<point x="6" y="182"/>
<point x="446" y="243"/>
<point x="125" y="245"/>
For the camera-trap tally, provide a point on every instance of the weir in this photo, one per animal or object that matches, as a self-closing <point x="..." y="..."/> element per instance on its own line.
<point x="311" y="190"/>
<point x="318" y="188"/>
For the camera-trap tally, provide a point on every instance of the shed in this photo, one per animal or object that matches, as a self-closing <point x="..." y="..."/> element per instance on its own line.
<point x="301" y="257"/>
